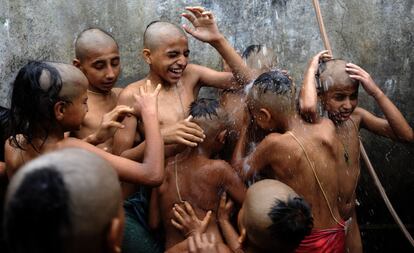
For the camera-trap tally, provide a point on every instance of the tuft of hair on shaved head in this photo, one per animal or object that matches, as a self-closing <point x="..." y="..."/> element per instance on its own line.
<point x="274" y="213"/>
<point x="90" y="39"/>
<point x="66" y="199"/>
<point x="210" y="116"/>
<point x="204" y="107"/>
<point x="273" y="89"/>
<point x="332" y="73"/>
<point x="37" y="87"/>
<point x="157" y="31"/>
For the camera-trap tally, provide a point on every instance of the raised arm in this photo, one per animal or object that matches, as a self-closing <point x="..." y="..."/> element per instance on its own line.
<point x="151" y="171"/>
<point x="260" y="157"/>
<point x="308" y="97"/>
<point x="206" y="30"/>
<point x="124" y="138"/>
<point x="394" y="125"/>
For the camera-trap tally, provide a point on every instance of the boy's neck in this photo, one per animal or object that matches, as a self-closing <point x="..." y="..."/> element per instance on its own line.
<point x="156" y="79"/>
<point x="287" y="122"/>
<point x="200" y="150"/>
<point x="95" y="92"/>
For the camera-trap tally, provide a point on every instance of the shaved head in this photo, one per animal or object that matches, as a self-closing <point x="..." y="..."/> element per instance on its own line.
<point x="72" y="192"/>
<point x="157" y="31"/>
<point x="73" y="80"/>
<point x="91" y="39"/>
<point x="333" y="73"/>
<point x="272" y="212"/>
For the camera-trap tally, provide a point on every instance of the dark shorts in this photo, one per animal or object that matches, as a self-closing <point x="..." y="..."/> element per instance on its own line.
<point x="138" y="238"/>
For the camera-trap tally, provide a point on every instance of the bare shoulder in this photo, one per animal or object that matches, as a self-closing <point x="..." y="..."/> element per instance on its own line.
<point x="126" y="95"/>
<point x="12" y="157"/>
<point x="274" y="140"/>
<point x="117" y="91"/>
<point x="192" y="73"/>
<point x="220" y="165"/>
<point x="359" y="114"/>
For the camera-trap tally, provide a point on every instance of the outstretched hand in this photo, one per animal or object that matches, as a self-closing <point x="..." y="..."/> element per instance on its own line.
<point x="146" y="99"/>
<point x="359" y="74"/>
<point x="187" y="221"/>
<point x="319" y="57"/>
<point x="205" y="26"/>
<point x="183" y="132"/>
<point x="111" y="122"/>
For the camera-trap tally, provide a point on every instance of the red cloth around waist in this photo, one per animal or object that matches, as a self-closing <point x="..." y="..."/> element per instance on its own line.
<point x="331" y="240"/>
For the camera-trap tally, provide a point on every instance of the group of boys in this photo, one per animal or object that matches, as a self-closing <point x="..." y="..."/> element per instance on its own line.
<point x="311" y="163"/>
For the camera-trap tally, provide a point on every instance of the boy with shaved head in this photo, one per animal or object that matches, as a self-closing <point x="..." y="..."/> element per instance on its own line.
<point x="193" y="175"/>
<point x="52" y="205"/>
<point x="336" y="85"/>
<point x="50" y="99"/>
<point x="302" y="155"/>
<point x="166" y="52"/>
<point x="97" y="56"/>
<point x="273" y="218"/>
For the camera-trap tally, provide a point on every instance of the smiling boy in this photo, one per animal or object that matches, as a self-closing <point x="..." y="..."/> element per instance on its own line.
<point x="338" y="92"/>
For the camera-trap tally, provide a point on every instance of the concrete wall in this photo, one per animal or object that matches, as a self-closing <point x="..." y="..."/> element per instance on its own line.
<point x="376" y="34"/>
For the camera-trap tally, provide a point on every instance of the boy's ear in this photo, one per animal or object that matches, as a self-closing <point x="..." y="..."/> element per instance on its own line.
<point x="222" y="136"/>
<point x="59" y="110"/>
<point x="264" y="118"/>
<point x="147" y="55"/>
<point x="76" y="63"/>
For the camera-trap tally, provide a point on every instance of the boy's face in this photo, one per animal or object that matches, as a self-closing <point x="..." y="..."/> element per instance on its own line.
<point x="170" y="59"/>
<point x="340" y="101"/>
<point x="75" y="111"/>
<point x="102" y="67"/>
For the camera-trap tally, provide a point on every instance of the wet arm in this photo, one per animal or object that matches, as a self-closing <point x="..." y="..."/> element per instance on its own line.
<point x="234" y="184"/>
<point x="240" y="71"/>
<point x="124" y="138"/>
<point x="205" y="29"/>
<point x="395" y="126"/>
<point x="308" y="96"/>
<point x="238" y="157"/>
<point x="259" y="158"/>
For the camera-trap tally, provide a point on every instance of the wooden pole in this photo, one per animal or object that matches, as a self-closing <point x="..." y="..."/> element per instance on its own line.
<point x="322" y="26"/>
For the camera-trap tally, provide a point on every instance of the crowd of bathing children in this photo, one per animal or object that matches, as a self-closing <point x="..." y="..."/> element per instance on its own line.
<point x="87" y="167"/>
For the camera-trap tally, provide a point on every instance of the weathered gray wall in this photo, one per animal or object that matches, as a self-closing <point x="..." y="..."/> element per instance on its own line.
<point x="377" y="34"/>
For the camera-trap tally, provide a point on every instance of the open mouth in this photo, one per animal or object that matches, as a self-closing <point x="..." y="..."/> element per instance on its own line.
<point x="176" y="72"/>
<point x="345" y="115"/>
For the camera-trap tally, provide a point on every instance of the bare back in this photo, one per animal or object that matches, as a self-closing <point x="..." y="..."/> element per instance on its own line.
<point x="292" y="166"/>
<point x="199" y="181"/>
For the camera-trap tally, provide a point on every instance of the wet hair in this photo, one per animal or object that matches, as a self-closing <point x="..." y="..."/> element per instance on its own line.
<point x="37" y="217"/>
<point x="274" y="81"/>
<point x="31" y="111"/>
<point x="291" y="220"/>
<point x="332" y="72"/>
<point x="251" y="49"/>
<point x="79" y="48"/>
<point x="4" y="122"/>
<point x="204" y="108"/>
